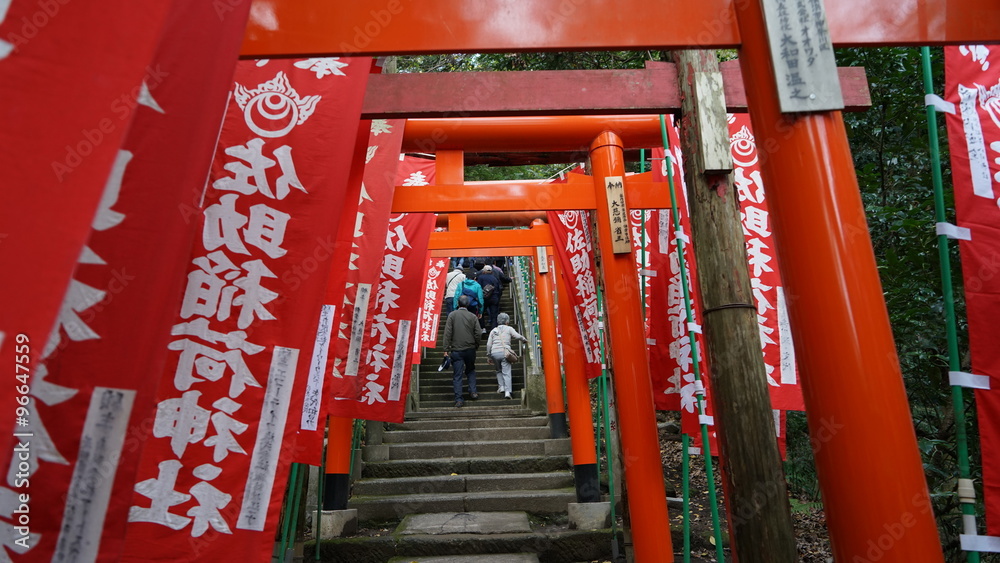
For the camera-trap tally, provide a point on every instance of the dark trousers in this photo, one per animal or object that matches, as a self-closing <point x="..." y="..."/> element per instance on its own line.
<point x="492" y="310"/>
<point x="464" y="363"/>
<point x="449" y="306"/>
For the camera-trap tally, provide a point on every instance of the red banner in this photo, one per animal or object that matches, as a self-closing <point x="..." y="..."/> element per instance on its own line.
<point x="575" y="251"/>
<point x="430" y="310"/>
<point x="94" y="393"/>
<point x="367" y="248"/>
<point x="765" y="279"/>
<point x="383" y="378"/>
<point x="972" y="75"/>
<point x="70" y="77"/>
<point x="212" y="474"/>
<point x="414" y="171"/>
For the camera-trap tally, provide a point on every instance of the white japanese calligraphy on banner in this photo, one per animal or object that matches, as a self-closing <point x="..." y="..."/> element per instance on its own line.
<point x="430" y="310"/>
<point x="575" y="251"/>
<point x="221" y="437"/>
<point x="765" y="279"/>
<point x="383" y="375"/>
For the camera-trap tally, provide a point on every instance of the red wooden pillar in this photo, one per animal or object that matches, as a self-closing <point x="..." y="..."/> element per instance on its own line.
<point x="870" y="472"/>
<point x="339" y="436"/>
<point x="581" y="420"/>
<point x="550" y="348"/>
<point x="633" y="386"/>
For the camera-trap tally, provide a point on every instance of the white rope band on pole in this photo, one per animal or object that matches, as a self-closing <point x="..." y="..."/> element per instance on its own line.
<point x="939" y="103"/>
<point x="983" y="544"/>
<point x="706" y="420"/>
<point x="970" y="380"/>
<point x="953" y="231"/>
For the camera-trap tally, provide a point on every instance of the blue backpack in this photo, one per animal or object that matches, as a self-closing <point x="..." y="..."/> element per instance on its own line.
<point x="469" y="288"/>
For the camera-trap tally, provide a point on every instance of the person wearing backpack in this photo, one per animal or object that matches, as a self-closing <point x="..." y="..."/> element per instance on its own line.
<point x="474" y="291"/>
<point x="491" y="296"/>
<point x="498" y="344"/>
<point x="452" y="283"/>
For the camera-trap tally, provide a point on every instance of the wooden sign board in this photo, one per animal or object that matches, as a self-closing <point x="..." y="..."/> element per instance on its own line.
<point x="543" y="260"/>
<point x="618" y="215"/>
<point x="802" y="55"/>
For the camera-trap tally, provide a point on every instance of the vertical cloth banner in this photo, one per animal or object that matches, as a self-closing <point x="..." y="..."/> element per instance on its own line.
<point x="414" y="171"/>
<point x="367" y="248"/>
<point x="212" y="474"/>
<point x="765" y="276"/>
<point x="382" y="382"/>
<point x="430" y="309"/>
<point x="575" y="251"/>
<point x="70" y="75"/>
<point x="93" y="395"/>
<point x="972" y="93"/>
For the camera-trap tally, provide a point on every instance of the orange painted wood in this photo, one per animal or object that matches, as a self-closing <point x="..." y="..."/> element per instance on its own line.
<point x="498" y="251"/>
<point x="527" y="238"/>
<point x="386" y="27"/>
<point x="515" y="197"/>
<point x="558" y="92"/>
<point x="633" y="387"/>
<point x="851" y="379"/>
<point x="545" y="298"/>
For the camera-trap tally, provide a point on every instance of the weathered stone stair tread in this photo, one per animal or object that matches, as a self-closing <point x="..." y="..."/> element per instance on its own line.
<point x="437" y="450"/>
<point x="497" y="558"/>
<point x="440" y="523"/>
<point x="493" y="402"/>
<point x="452" y="424"/>
<point x="463" y="483"/>
<point x="389" y="507"/>
<point x="467" y="434"/>
<point x="472" y="411"/>
<point x="551" y="547"/>
<point x="476" y="465"/>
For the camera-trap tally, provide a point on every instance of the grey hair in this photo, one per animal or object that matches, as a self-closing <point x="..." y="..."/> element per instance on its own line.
<point x="463" y="300"/>
<point x="503" y="318"/>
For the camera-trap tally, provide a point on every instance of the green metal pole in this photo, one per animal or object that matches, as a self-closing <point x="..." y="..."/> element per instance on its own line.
<point x="293" y="478"/>
<point x="319" y="499"/>
<point x="709" y="471"/>
<point x="609" y="442"/>
<point x="686" y="495"/>
<point x="642" y="235"/>
<point x="957" y="393"/>
<point x="296" y="500"/>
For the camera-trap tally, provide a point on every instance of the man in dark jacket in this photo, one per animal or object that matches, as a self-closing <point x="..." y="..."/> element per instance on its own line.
<point x="491" y="296"/>
<point x="462" y="335"/>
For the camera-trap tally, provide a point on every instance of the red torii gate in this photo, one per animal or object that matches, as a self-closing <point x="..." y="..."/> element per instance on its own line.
<point x="822" y="235"/>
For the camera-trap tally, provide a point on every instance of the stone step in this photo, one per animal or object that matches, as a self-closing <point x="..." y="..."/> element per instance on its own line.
<point x="472" y="409"/>
<point x="568" y="546"/>
<point x="392" y="507"/>
<point x="499" y="448"/>
<point x="456" y="424"/>
<point x="464" y="483"/>
<point x="465" y="466"/>
<point x="497" y="558"/>
<point x="467" y="434"/>
<point x="484" y="400"/>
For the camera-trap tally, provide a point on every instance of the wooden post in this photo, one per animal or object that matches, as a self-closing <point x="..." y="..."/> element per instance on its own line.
<point x="633" y="387"/>
<point x="870" y="472"/>
<point x="761" y="520"/>
<point x="340" y="434"/>
<point x="581" y="420"/>
<point x="544" y="291"/>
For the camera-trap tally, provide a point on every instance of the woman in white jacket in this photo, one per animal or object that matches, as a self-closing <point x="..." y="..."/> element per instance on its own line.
<point x="497" y="344"/>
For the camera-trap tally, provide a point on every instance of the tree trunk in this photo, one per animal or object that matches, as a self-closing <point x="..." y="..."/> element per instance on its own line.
<point x="759" y="513"/>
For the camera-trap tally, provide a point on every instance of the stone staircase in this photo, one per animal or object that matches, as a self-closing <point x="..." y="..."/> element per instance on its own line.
<point x="484" y="483"/>
<point x="435" y="387"/>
